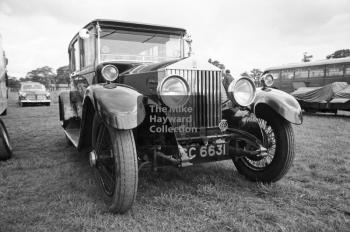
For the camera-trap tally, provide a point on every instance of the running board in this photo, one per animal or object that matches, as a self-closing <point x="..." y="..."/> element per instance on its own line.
<point x="73" y="135"/>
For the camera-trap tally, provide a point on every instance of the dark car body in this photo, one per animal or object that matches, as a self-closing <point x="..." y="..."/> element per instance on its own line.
<point x="210" y="125"/>
<point x="5" y="145"/>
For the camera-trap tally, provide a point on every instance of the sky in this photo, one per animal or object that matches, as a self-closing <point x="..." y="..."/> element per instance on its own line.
<point x="242" y="34"/>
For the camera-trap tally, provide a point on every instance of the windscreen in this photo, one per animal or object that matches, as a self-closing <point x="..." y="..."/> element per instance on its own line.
<point x="139" y="46"/>
<point x="33" y="87"/>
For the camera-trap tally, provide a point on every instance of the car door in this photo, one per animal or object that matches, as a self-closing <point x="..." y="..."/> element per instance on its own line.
<point x="83" y="54"/>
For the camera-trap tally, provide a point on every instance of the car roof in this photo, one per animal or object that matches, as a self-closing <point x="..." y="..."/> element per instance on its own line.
<point x="127" y="25"/>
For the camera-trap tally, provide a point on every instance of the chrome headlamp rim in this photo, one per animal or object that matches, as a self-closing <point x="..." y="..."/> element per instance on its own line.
<point x="167" y="78"/>
<point x="264" y="80"/>
<point x="112" y="66"/>
<point x="232" y="90"/>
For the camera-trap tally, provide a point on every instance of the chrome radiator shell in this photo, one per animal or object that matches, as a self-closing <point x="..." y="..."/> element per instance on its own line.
<point x="206" y="92"/>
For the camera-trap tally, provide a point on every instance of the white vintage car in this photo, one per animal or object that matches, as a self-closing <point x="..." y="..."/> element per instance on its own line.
<point x="33" y="93"/>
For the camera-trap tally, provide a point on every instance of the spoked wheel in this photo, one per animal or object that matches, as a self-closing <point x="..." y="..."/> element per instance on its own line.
<point x="5" y="145"/>
<point x="278" y="137"/>
<point x="116" y="165"/>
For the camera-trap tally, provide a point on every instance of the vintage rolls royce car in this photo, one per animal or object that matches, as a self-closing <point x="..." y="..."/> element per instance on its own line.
<point x="141" y="99"/>
<point x="5" y="145"/>
<point x="33" y="93"/>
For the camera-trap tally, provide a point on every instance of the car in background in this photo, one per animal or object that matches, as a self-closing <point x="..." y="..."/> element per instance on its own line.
<point x="5" y="145"/>
<point x="33" y="93"/>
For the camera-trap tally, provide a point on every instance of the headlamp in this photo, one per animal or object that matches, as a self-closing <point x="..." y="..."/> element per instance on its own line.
<point x="110" y="73"/>
<point x="267" y="80"/>
<point x="174" y="91"/>
<point x="243" y="91"/>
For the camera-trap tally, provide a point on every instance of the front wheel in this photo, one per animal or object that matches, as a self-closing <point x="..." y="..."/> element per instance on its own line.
<point x="278" y="137"/>
<point x="5" y="146"/>
<point x="116" y="168"/>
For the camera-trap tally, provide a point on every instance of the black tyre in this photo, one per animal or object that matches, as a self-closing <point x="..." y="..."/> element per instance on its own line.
<point x="116" y="167"/>
<point x="5" y="145"/>
<point x="278" y="138"/>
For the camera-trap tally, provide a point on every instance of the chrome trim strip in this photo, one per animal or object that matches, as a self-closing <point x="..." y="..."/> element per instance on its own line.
<point x="75" y="143"/>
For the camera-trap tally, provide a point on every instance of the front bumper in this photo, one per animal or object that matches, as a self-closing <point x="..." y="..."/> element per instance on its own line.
<point x="224" y="146"/>
<point x="35" y="101"/>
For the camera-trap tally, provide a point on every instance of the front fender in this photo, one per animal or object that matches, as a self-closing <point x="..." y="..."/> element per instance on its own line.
<point x="120" y="107"/>
<point x="283" y="103"/>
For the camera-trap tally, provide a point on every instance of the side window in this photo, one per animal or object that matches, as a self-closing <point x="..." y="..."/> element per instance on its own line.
<point x="316" y="72"/>
<point x="76" y="54"/>
<point x="2" y="55"/>
<point x="2" y="60"/>
<point x="301" y="73"/>
<point x="71" y="60"/>
<point x="89" y="50"/>
<point x="287" y="74"/>
<point x="347" y="69"/>
<point x="334" y="70"/>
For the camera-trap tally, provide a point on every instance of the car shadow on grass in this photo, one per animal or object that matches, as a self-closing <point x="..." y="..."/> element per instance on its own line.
<point x="191" y="180"/>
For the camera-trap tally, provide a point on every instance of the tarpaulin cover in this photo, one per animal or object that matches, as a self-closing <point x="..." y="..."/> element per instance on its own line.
<point x="345" y="93"/>
<point x="319" y="94"/>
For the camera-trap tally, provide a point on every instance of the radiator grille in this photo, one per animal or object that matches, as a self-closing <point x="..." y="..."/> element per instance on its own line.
<point x="205" y="98"/>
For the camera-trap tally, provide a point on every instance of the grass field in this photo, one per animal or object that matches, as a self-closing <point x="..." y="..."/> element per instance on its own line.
<point x="48" y="186"/>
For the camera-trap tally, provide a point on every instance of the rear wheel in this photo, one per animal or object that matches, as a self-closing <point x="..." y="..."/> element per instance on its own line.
<point x="116" y="165"/>
<point x="5" y="146"/>
<point x="278" y="138"/>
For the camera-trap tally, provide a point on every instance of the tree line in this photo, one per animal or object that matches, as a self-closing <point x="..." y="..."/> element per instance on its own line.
<point x="253" y="74"/>
<point x="45" y="75"/>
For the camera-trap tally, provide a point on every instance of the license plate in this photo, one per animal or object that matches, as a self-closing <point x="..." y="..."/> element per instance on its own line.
<point x="30" y="97"/>
<point x="210" y="150"/>
<point x="41" y="97"/>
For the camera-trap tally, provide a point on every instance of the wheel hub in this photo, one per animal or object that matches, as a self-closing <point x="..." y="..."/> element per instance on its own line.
<point x="93" y="158"/>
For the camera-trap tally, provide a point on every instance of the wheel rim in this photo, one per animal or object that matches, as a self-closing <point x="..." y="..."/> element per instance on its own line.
<point x="269" y="142"/>
<point x="105" y="160"/>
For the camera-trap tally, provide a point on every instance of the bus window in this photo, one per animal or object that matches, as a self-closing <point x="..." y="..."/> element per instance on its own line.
<point x="301" y="73"/>
<point x="347" y="69"/>
<point x="316" y="72"/>
<point x="334" y="70"/>
<point x="287" y="74"/>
